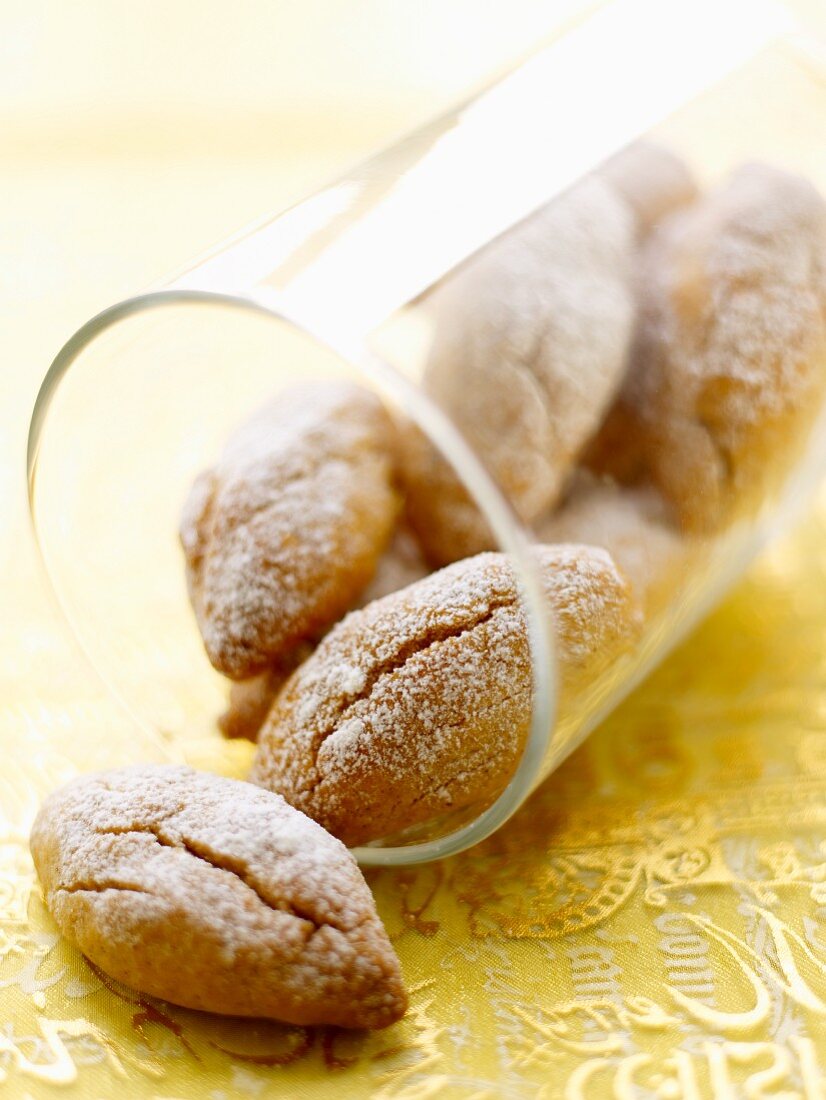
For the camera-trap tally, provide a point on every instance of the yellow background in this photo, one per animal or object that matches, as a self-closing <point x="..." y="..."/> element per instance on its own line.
<point x="654" y="924"/>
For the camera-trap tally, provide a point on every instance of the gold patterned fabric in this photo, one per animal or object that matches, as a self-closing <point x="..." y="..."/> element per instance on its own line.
<point x="651" y="925"/>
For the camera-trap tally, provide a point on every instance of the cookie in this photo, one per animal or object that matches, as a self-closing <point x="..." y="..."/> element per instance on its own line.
<point x="446" y="519"/>
<point x="732" y="344"/>
<point x="250" y="700"/>
<point x="285" y="532"/>
<point x="215" y="895"/>
<point x="420" y="703"/>
<point x="653" y="180"/>
<point x="529" y="345"/>
<point x="632" y="524"/>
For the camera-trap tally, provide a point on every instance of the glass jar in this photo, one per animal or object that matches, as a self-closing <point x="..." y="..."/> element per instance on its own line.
<point x="496" y="278"/>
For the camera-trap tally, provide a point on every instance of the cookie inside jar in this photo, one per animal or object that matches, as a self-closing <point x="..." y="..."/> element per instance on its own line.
<point x="397" y="496"/>
<point x="637" y="365"/>
<point x="640" y="365"/>
<point x="383" y="694"/>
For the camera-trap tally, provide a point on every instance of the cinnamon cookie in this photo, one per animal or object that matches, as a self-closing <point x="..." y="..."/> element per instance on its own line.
<point x="632" y="524"/>
<point x="421" y="702"/>
<point x="284" y="533"/>
<point x="654" y="182"/>
<point x="215" y="895"/>
<point x="731" y="350"/>
<point x="529" y="346"/>
<point x="250" y="700"/>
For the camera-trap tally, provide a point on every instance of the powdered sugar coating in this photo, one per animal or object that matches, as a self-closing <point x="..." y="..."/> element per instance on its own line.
<point x="287" y="529"/>
<point x="250" y="700"/>
<point x="631" y="523"/>
<point x="421" y="701"/>
<point x="596" y="616"/>
<point x="732" y="343"/>
<point x="530" y="337"/>
<point x="216" y="895"/>
<point x="446" y="519"/>
<point x="653" y="180"/>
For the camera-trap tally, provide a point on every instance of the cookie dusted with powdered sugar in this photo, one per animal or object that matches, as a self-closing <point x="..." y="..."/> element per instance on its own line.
<point x="731" y="348"/>
<point x="215" y="895"/>
<point x="250" y="700"/>
<point x="529" y="345"/>
<point x="632" y="524"/>
<point x="421" y="702"/>
<point x="283" y="534"/>
<point x="653" y="180"/>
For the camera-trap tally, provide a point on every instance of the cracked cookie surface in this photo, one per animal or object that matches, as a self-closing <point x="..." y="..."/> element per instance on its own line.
<point x="250" y="700"/>
<point x="282" y="535"/>
<point x="216" y="895"/>
<point x="420" y="703"/>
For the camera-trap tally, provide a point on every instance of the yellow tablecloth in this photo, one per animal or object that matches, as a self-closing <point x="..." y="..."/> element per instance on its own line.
<point x="653" y="924"/>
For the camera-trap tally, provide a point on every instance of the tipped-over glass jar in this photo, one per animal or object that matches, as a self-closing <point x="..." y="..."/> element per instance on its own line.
<point x="519" y="398"/>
